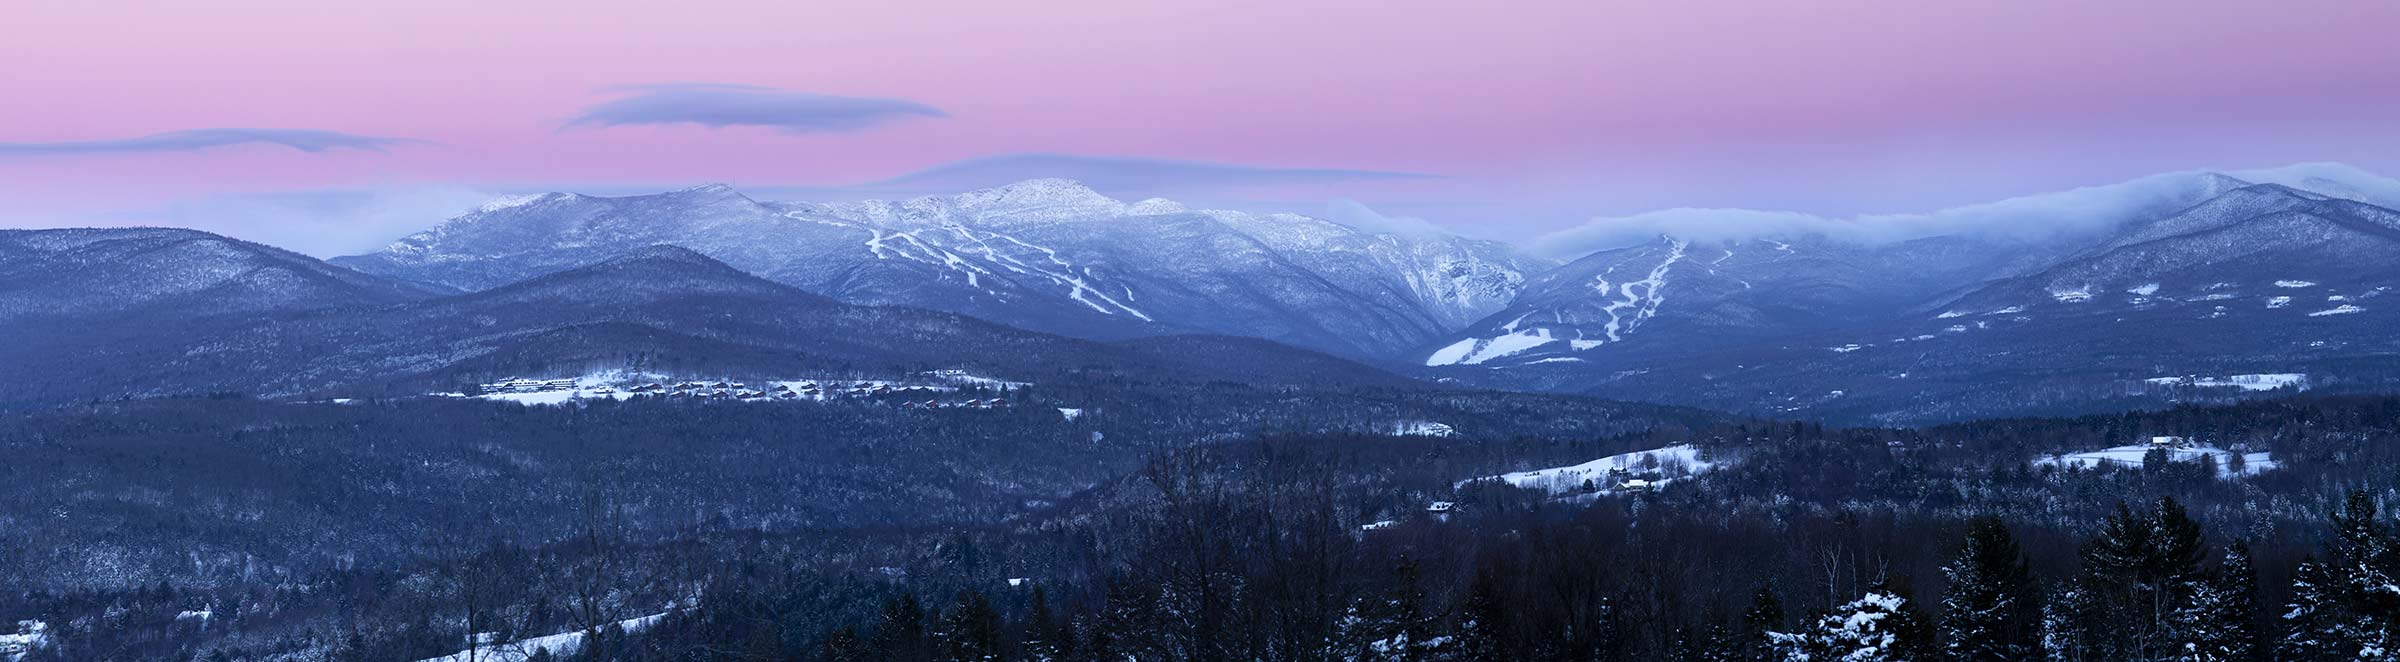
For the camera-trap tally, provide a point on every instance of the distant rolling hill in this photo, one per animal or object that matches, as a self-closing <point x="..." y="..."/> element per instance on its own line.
<point x="663" y="307"/>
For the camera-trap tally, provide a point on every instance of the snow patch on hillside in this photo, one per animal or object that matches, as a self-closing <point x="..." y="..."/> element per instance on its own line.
<point x="560" y="645"/>
<point x="1654" y="467"/>
<point x="29" y="635"/>
<point x="2133" y="455"/>
<point x="1474" y="351"/>
<point x="2253" y="382"/>
<point x="1422" y="429"/>
<point x="510" y="202"/>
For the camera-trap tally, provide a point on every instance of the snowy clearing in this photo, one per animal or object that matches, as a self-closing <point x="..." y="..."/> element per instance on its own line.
<point x="2257" y="382"/>
<point x="28" y="636"/>
<point x="1650" y="469"/>
<point x="1422" y="429"/>
<point x="2131" y="457"/>
<point x="559" y="644"/>
<point x="623" y="385"/>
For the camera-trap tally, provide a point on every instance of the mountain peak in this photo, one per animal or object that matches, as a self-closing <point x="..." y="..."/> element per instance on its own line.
<point x="663" y="253"/>
<point x="706" y="193"/>
<point x="666" y="258"/>
<point x="1045" y="192"/>
<point x="654" y="268"/>
<point x="1156" y="206"/>
<point x="507" y="202"/>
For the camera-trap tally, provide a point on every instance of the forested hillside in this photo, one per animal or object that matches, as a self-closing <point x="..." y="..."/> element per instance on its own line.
<point x="1258" y="524"/>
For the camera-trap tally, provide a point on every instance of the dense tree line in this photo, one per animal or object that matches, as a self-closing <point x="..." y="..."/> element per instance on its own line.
<point x="1287" y="541"/>
<point x="1595" y="585"/>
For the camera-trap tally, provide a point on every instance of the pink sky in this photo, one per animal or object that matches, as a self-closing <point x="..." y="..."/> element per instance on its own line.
<point x="1535" y="113"/>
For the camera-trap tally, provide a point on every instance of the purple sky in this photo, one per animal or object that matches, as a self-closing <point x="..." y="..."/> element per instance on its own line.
<point x="361" y="119"/>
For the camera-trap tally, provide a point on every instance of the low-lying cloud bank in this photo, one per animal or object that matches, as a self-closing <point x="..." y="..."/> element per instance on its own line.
<point x="2030" y="217"/>
<point x="306" y="140"/>
<point x="1121" y="176"/>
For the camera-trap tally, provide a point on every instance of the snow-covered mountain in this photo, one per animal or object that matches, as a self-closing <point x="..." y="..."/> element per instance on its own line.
<point x="661" y="307"/>
<point x="2134" y="294"/>
<point x="1677" y="295"/>
<point x="2221" y="276"/>
<point x="82" y="273"/>
<point x="1050" y="255"/>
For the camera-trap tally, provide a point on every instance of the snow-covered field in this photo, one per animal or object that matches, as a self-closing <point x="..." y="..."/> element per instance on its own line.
<point x="2131" y="456"/>
<point x="28" y="636"/>
<point x="2256" y="382"/>
<point x="1422" y="429"/>
<point x="559" y="644"/>
<point x="622" y="385"/>
<point x="1657" y="466"/>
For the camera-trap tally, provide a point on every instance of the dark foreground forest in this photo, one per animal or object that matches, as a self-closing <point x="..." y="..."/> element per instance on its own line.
<point x="1220" y="524"/>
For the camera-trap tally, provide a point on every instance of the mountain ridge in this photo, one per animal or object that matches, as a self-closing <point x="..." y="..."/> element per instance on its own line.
<point x="2199" y="288"/>
<point x="662" y="306"/>
<point x="1045" y="254"/>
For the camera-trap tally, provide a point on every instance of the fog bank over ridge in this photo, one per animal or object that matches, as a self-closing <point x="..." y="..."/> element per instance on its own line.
<point x="2028" y="217"/>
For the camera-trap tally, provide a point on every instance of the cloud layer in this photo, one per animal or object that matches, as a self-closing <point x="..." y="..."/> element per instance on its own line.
<point x="306" y="140"/>
<point x="1358" y="215"/>
<point x="719" y="106"/>
<point x="2086" y="209"/>
<point x="322" y="223"/>
<point x="1122" y="176"/>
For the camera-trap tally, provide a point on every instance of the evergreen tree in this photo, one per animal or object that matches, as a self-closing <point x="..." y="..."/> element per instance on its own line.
<point x="1041" y="631"/>
<point x="1989" y="613"/>
<point x="1482" y="622"/>
<point x="2173" y="575"/>
<point x="1720" y="642"/>
<point x="2195" y="636"/>
<point x="970" y="629"/>
<point x="2317" y="628"/>
<point x="900" y="635"/>
<point x="2346" y="607"/>
<point x="2363" y="554"/>
<point x="1394" y="625"/>
<point x="2140" y="570"/>
<point x="2067" y="616"/>
<point x="2236" y="618"/>
<point x="1878" y="627"/>
<point x="1764" y="616"/>
<point x="844" y="645"/>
